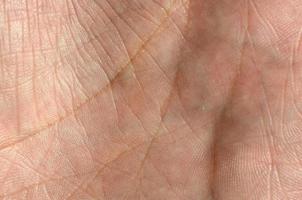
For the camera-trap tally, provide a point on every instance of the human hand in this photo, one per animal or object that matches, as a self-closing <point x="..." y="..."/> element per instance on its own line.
<point x="150" y="99"/>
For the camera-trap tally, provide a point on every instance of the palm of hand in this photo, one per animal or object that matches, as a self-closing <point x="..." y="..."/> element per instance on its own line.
<point x="150" y="100"/>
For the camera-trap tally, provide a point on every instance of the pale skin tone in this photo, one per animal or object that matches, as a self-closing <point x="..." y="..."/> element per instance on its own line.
<point x="150" y="99"/>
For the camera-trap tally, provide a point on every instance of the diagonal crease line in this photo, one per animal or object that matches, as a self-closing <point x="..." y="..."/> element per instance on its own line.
<point x="107" y="164"/>
<point x="163" y="113"/>
<point x="45" y="181"/>
<point x="28" y="135"/>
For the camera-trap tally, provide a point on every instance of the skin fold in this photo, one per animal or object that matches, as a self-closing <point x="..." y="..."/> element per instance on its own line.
<point x="150" y="99"/>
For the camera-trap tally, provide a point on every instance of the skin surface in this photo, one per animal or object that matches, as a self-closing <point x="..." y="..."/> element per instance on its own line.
<point x="150" y="99"/>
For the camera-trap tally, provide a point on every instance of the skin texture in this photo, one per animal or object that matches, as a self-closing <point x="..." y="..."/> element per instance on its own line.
<point x="150" y="99"/>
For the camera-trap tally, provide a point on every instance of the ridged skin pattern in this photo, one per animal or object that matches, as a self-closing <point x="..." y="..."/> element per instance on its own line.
<point x="150" y="100"/>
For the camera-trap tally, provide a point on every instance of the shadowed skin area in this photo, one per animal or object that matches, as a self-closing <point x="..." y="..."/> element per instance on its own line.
<point x="150" y="99"/>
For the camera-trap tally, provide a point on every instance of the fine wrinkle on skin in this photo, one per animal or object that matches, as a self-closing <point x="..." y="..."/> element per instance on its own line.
<point x="22" y="36"/>
<point x="292" y="71"/>
<point x="163" y="112"/>
<point x="25" y="136"/>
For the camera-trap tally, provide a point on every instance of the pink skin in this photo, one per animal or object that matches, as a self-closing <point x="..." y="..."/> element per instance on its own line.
<point x="150" y="99"/>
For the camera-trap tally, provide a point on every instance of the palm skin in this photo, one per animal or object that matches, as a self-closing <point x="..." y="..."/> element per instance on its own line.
<point x="166" y="99"/>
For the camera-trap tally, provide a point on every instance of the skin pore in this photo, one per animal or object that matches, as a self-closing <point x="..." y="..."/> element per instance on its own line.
<point x="150" y="99"/>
